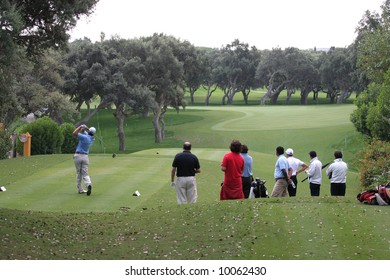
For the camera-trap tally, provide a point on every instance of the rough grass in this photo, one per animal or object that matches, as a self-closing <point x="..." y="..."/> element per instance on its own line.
<point x="43" y="217"/>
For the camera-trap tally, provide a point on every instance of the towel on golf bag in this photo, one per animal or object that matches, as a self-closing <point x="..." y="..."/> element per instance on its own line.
<point x="378" y="196"/>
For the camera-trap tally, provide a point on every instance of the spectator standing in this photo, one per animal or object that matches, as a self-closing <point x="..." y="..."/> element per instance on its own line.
<point x="294" y="163"/>
<point x="232" y="165"/>
<point x="247" y="174"/>
<point x="281" y="174"/>
<point x="337" y="173"/>
<point x="185" y="165"/>
<point x="314" y="173"/>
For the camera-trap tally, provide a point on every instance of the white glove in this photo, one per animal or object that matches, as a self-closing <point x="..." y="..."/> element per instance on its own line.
<point x="173" y="185"/>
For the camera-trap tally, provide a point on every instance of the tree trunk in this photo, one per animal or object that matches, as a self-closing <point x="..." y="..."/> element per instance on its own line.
<point x="274" y="98"/>
<point x="209" y="93"/>
<point x="304" y="95"/>
<point x="162" y="122"/>
<point x="290" y="92"/>
<point x="233" y="90"/>
<point x="156" y="124"/>
<point x="89" y="116"/>
<point x="275" y="94"/>
<point x="88" y="103"/>
<point x="192" y="93"/>
<point x="207" y="101"/>
<point x="332" y="97"/>
<point x="315" y="94"/>
<point x="267" y="94"/>
<point x="231" y="94"/>
<point x="192" y="96"/>
<point x="246" y="95"/>
<point x="120" y="118"/>
<point x="78" y="107"/>
<point x="345" y="94"/>
<point x="225" y="95"/>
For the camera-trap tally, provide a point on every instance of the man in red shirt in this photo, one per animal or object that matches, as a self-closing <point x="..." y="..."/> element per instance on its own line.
<point x="233" y="166"/>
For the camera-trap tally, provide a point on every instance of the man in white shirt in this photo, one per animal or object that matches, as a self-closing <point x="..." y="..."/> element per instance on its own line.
<point x="294" y="164"/>
<point x="314" y="172"/>
<point x="337" y="173"/>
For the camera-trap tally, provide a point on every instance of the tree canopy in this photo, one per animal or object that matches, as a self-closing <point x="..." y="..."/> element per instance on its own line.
<point x="372" y="116"/>
<point x="27" y="29"/>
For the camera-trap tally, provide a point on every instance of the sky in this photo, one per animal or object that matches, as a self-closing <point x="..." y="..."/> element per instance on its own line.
<point x="303" y="24"/>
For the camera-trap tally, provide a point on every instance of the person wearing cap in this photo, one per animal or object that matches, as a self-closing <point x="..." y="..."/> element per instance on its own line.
<point x="282" y="174"/>
<point x="185" y="165"/>
<point x="337" y="173"/>
<point x="247" y="174"/>
<point x="314" y="173"/>
<point x="295" y="163"/>
<point x="86" y="137"/>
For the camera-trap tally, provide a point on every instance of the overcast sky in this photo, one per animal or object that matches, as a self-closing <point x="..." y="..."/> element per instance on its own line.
<point x="214" y="23"/>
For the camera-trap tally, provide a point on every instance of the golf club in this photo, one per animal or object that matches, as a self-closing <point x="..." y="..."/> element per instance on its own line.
<point x="325" y="165"/>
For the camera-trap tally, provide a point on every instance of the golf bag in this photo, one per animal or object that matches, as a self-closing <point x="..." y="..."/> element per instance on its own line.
<point x="258" y="189"/>
<point x="378" y="196"/>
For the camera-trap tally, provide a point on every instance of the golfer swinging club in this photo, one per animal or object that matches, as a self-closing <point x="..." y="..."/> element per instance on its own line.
<point x="80" y="158"/>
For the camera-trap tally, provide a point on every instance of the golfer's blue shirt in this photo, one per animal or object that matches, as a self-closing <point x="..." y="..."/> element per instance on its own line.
<point x="85" y="141"/>
<point x="281" y="164"/>
<point x="248" y="162"/>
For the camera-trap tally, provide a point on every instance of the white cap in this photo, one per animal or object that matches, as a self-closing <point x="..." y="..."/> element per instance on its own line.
<point x="289" y="151"/>
<point x="92" y="130"/>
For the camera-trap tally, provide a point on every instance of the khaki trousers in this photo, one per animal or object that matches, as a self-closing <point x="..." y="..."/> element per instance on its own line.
<point x="81" y="163"/>
<point x="280" y="188"/>
<point x="186" y="190"/>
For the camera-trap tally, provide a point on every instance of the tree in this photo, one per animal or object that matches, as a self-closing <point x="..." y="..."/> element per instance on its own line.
<point x="38" y="25"/>
<point x="208" y="58"/>
<point x="164" y="76"/>
<point x="29" y="28"/>
<point x="124" y="82"/>
<point x="337" y="72"/>
<point x="372" y="43"/>
<point x="309" y="79"/>
<point x="273" y="73"/>
<point x="300" y="69"/>
<point x="85" y="73"/>
<point x="236" y="69"/>
<point x="5" y="143"/>
<point x="372" y="115"/>
<point x="189" y="55"/>
<point x="37" y="88"/>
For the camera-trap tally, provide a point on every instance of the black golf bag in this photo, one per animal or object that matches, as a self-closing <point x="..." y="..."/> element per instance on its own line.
<point x="258" y="188"/>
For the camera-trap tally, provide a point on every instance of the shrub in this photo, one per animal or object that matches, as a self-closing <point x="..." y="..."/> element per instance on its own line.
<point x="5" y="143"/>
<point x="374" y="165"/>
<point x="46" y="137"/>
<point x="372" y="116"/>
<point x="70" y="142"/>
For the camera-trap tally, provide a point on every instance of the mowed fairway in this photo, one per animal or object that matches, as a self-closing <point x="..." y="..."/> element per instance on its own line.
<point x="116" y="179"/>
<point x="42" y="200"/>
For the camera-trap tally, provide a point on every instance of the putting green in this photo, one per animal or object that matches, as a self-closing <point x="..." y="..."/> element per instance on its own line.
<point x="267" y="118"/>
